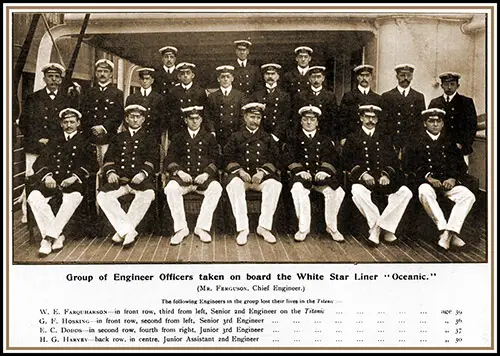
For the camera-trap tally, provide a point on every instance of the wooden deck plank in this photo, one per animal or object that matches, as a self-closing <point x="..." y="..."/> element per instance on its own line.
<point x="161" y="249"/>
<point x="149" y="251"/>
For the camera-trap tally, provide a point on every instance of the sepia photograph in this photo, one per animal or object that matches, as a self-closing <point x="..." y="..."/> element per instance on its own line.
<point x="162" y="141"/>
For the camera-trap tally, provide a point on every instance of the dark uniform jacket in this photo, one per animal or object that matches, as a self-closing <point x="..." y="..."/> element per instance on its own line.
<point x="64" y="159"/>
<point x="164" y="81"/>
<point x="327" y="102"/>
<point x="155" y="104"/>
<point x="246" y="79"/>
<point x="374" y="155"/>
<point x="460" y="120"/>
<point x="194" y="156"/>
<point x="351" y="101"/>
<point x="251" y="152"/>
<point x="102" y="108"/>
<point x="441" y="159"/>
<point x="313" y="155"/>
<point x="401" y="119"/>
<point x="127" y="156"/>
<point x="295" y="83"/>
<point x="224" y="112"/>
<point x="40" y="118"/>
<point x="180" y="98"/>
<point x="276" y="118"/>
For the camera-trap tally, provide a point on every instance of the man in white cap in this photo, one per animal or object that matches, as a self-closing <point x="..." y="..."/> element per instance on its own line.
<point x="317" y="95"/>
<point x="129" y="167"/>
<point x="246" y="74"/>
<point x="192" y="166"/>
<point x="184" y="94"/>
<point x="314" y="164"/>
<point x="402" y="106"/>
<point x="251" y="157"/>
<point x="102" y="108"/>
<point x="224" y="105"/>
<point x="373" y="169"/>
<point x="461" y="117"/>
<point x="166" y="76"/>
<point x="297" y="80"/>
<point x="39" y="121"/>
<point x="276" y="118"/>
<point x="362" y="94"/>
<point x="61" y="172"/>
<point x="436" y="166"/>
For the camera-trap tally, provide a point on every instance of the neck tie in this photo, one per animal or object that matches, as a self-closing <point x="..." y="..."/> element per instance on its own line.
<point x="194" y="135"/>
<point x="143" y="92"/>
<point x="52" y="95"/>
<point x="67" y="137"/>
<point x="132" y="133"/>
<point x="310" y="136"/>
<point x="447" y="99"/>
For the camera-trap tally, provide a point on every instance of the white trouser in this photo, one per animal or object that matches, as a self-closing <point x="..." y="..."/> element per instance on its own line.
<point x="460" y="195"/>
<point x="333" y="200"/>
<point x="123" y="222"/>
<point x="270" y="189"/>
<point x="30" y="160"/>
<point x="100" y="152"/>
<point x="392" y="214"/>
<point x="174" y="192"/>
<point x="48" y="224"/>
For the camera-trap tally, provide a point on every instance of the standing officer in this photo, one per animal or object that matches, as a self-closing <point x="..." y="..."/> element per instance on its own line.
<point x="435" y="163"/>
<point x="39" y="121"/>
<point x="317" y="95"/>
<point x="183" y="94"/>
<point x="374" y="170"/>
<point x="461" y="118"/>
<point x="276" y="118"/>
<point x="129" y="167"/>
<point x="251" y="157"/>
<point x="297" y="80"/>
<point x="224" y="105"/>
<point x="61" y="172"/>
<point x="362" y="94"/>
<point x="166" y="77"/>
<point x="246" y="75"/>
<point x="313" y="162"/>
<point x="402" y="106"/>
<point x="192" y="164"/>
<point x="102" y="108"/>
<point x="153" y="102"/>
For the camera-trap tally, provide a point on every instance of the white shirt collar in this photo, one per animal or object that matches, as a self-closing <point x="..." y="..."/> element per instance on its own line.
<point x="133" y="131"/>
<point x="169" y="70"/>
<point x="102" y="85"/>
<point x="368" y="132"/>
<point x="450" y="96"/>
<point x="186" y="87"/>
<point x="148" y="90"/>
<point x="301" y="70"/>
<point x="49" y="92"/>
<point x="228" y="89"/>
<point x="309" y="133"/>
<point x="400" y="89"/>
<point x="252" y="132"/>
<point x="69" y="136"/>
<point x="271" y="86"/>
<point x="434" y="137"/>
<point x="361" y="89"/>
<point x="242" y="63"/>
<point x="316" y="89"/>
<point x="191" y="132"/>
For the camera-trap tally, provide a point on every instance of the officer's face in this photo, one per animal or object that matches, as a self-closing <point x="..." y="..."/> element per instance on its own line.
<point x="303" y="59"/>
<point x="242" y="52"/>
<point x="450" y="87"/>
<point x="404" y="78"/>
<point x="364" y="79"/>
<point x="252" y="119"/>
<point x="193" y="121"/>
<point x="186" y="76"/>
<point x="271" y="77"/>
<point x="309" y="121"/>
<point x="103" y="74"/>
<point x="369" y="121"/>
<point x="316" y="79"/>
<point x="146" y="81"/>
<point x="53" y="80"/>
<point x="168" y="59"/>
<point x="434" y="124"/>
<point x="134" y="119"/>
<point x="225" y="79"/>
<point x="70" y="124"/>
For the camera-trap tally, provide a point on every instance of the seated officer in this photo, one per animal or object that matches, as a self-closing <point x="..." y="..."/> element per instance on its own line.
<point x="61" y="171"/>
<point x="251" y="156"/>
<point x="311" y="158"/>
<point x="436" y="165"/>
<point x="128" y="169"/>
<point x="191" y="162"/>
<point x="371" y="160"/>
